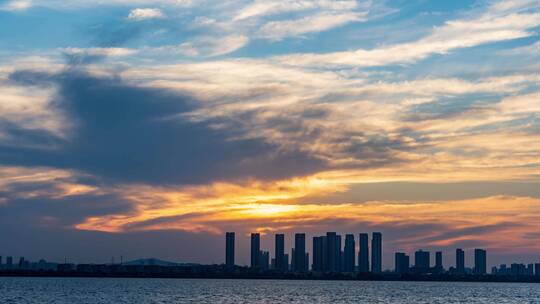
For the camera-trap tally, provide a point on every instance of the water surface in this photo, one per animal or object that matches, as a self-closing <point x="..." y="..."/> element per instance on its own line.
<point x="170" y="291"/>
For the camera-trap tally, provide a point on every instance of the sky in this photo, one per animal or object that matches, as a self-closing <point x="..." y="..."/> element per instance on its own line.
<point x="149" y="128"/>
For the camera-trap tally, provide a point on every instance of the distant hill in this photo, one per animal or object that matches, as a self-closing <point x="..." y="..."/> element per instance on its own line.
<point x="155" y="262"/>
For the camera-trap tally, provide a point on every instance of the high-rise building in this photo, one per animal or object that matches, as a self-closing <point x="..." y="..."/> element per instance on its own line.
<point x="517" y="269"/>
<point x="480" y="261"/>
<point x="318" y="253"/>
<point x="537" y="269"/>
<point x="264" y="260"/>
<point x="439" y="261"/>
<point x="287" y="266"/>
<point x="460" y="261"/>
<point x="363" y="253"/>
<point x="421" y="261"/>
<point x="293" y="258"/>
<point x="280" y="253"/>
<point x="349" y="254"/>
<point x="299" y="252"/>
<point x="530" y="270"/>
<point x="402" y="262"/>
<point x="339" y="254"/>
<point x="229" y="249"/>
<point x="9" y="262"/>
<point x="255" y="250"/>
<point x="376" y="252"/>
<point x="332" y="257"/>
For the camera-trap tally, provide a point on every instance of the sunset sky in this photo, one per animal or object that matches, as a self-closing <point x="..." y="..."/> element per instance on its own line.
<point x="148" y="128"/>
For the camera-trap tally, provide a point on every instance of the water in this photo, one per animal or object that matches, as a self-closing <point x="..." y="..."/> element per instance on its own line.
<point x="171" y="291"/>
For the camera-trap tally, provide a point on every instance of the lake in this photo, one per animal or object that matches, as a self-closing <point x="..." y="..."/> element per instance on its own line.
<point x="170" y="291"/>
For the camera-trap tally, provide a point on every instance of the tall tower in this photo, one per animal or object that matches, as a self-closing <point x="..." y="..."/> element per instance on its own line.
<point x="460" y="261"/>
<point x="300" y="252"/>
<point x="331" y="252"/>
<point x="349" y="254"/>
<point x="318" y="253"/>
<point x="255" y="250"/>
<point x="401" y="263"/>
<point x="422" y="261"/>
<point x="280" y="252"/>
<point x="229" y="249"/>
<point x="376" y="252"/>
<point x="480" y="261"/>
<point x="438" y="261"/>
<point x="363" y="254"/>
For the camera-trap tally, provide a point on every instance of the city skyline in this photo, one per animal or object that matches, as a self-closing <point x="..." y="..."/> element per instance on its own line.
<point x="329" y="255"/>
<point x="150" y="128"/>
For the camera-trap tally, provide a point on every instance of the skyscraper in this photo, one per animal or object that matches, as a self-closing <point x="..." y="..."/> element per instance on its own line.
<point x="376" y="252"/>
<point x="339" y="254"/>
<point x="293" y="259"/>
<point x="264" y="260"/>
<point x="332" y="257"/>
<point x="438" y="262"/>
<point x="300" y="252"/>
<point x="318" y="253"/>
<point x="229" y="249"/>
<point x="460" y="261"/>
<point x="421" y="261"/>
<point x="255" y="250"/>
<point x="349" y="254"/>
<point x="480" y="261"/>
<point x="280" y="252"/>
<point x="363" y="254"/>
<point x="402" y="262"/>
<point x="9" y="262"/>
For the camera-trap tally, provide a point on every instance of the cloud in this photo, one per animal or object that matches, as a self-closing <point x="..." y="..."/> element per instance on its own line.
<point x="129" y="134"/>
<point x="209" y="46"/>
<point x="277" y="30"/>
<point x="140" y="14"/>
<point x="487" y="28"/>
<point x="100" y="52"/>
<point x="78" y="4"/>
<point x="265" y="8"/>
<point x="16" y="5"/>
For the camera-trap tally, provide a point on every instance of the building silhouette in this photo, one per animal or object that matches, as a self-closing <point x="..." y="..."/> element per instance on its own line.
<point x="300" y="252"/>
<point x="460" y="261"/>
<point x="363" y="253"/>
<point x="421" y="261"/>
<point x="332" y="253"/>
<point x="376" y="252"/>
<point x="318" y="253"/>
<point x="480" y="261"/>
<point x="280" y="263"/>
<point x="255" y="250"/>
<point x="439" y="262"/>
<point x="402" y="262"/>
<point x="349" y="254"/>
<point x="264" y="260"/>
<point x="229" y="249"/>
<point x="293" y="260"/>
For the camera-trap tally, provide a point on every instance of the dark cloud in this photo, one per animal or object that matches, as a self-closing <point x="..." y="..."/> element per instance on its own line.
<point x="125" y="133"/>
<point x="40" y="205"/>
